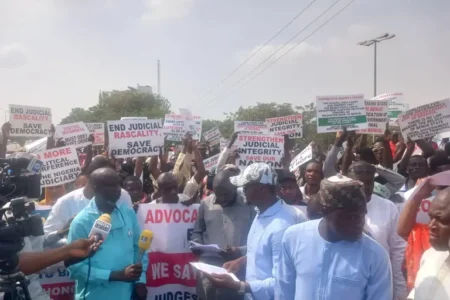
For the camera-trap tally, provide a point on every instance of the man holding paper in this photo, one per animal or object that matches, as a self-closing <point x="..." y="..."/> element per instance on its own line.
<point x="224" y="220"/>
<point x="263" y="248"/>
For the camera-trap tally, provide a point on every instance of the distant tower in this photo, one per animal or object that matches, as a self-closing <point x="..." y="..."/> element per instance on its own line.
<point x="159" y="78"/>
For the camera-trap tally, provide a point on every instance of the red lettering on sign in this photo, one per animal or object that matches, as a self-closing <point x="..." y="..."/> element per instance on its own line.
<point x="171" y="216"/>
<point x="60" y="291"/>
<point x="57" y="153"/>
<point x="170" y="268"/>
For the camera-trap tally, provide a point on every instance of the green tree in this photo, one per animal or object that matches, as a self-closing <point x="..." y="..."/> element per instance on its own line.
<point x="121" y="104"/>
<point x="310" y="134"/>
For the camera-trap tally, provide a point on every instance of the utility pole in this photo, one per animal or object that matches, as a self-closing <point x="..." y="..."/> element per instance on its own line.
<point x="374" y="42"/>
<point x="159" y="78"/>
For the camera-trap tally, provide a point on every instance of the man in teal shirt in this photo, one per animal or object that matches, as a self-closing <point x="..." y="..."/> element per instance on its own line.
<point x="113" y="272"/>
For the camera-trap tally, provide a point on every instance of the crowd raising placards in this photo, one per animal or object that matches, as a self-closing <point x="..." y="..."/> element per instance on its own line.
<point x="170" y="275"/>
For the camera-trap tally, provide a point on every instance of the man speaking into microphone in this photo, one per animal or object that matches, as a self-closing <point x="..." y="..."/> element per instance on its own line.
<point x="118" y="269"/>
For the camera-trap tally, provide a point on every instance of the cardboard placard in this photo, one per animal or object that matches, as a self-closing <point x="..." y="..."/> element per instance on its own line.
<point x="377" y="117"/>
<point x="426" y="120"/>
<point x="334" y="112"/>
<point x="251" y="127"/>
<point x="74" y="134"/>
<point x="61" y="165"/>
<point x="291" y="125"/>
<point x="134" y="138"/>
<point x="30" y="121"/>
<point x="98" y="130"/>
<point x="260" y="148"/>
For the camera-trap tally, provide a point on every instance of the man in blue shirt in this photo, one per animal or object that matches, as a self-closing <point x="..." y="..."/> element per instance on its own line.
<point x="263" y="249"/>
<point x="331" y="258"/>
<point x="112" y="272"/>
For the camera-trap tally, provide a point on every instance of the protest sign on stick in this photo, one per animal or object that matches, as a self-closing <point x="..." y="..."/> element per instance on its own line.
<point x="291" y="125"/>
<point x="213" y="136"/>
<point x="98" y="130"/>
<point x="131" y="138"/>
<point x="74" y="134"/>
<point x="377" y="117"/>
<point x="133" y="118"/>
<point x="425" y="121"/>
<point x="169" y="273"/>
<point x="334" y="112"/>
<point x="60" y="166"/>
<point x="174" y="127"/>
<point x="30" y="121"/>
<point x="396" y="105"/>
<point x="301" y="158"/>
<point x="210" y="162"/>
<point x="251" y="127"/>
<point x="259" y="148"/>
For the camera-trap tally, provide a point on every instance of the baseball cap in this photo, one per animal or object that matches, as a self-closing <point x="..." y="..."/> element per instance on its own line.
<point x="256" y="173"/>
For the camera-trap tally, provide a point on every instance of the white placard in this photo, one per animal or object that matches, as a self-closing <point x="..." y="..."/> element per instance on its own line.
<point x="291" y="125"/>
<point x="133" y="118"/>
<point x="397" y="105"/>
<point x="60" y="166"/>
<point x="334" y="112"/>
<point x="74" y="134"/>
<point x="134" y="138"/>
<point x="251" y="127"/>
<point x="377" y="117"/>
<point x="30" y="121"/>
<point x="301" y="158"/>
<point x="169" y="272"/>
<point x="98" y="130"/>
<point x="174" y="127"/>
<point x="425" y="121"/>
<point x="213" y="136"/>
<point x="210" y="162"/>
<point x="255" y="148"/>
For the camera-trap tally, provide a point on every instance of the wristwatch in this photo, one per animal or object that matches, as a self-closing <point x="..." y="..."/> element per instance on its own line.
<point x="241" y="290"/>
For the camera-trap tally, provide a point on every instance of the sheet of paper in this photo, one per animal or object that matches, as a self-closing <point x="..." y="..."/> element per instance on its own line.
<point x="210" y="269"/>
<point x="205" y="248"/>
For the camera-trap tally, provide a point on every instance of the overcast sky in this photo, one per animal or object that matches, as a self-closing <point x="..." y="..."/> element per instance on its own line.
<point x="60" y="53"/>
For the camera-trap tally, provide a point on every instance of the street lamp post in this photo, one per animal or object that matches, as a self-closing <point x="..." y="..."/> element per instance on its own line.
<point x="374" y="42"/>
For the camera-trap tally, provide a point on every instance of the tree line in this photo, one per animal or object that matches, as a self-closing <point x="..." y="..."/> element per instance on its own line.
<point x="119" y="104"/>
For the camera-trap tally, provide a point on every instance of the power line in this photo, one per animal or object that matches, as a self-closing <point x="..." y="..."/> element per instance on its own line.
<point x="254" y="53"/>
<point x="279" y="58"/>
<point x="276" y="51"/>
<point x="296" y="45"/>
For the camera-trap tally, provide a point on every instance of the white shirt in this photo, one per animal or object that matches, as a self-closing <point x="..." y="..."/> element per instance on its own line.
<point x="381" y="221"/>
<point x="433" y="278"/>
<point x="71" y="204"/>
